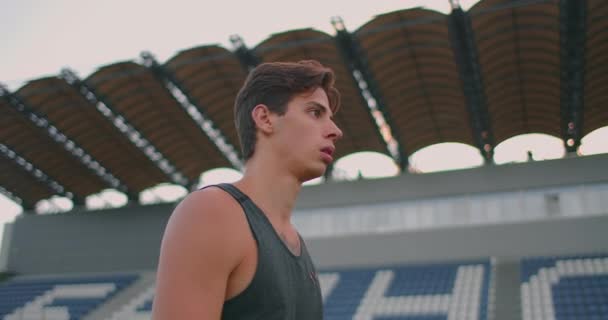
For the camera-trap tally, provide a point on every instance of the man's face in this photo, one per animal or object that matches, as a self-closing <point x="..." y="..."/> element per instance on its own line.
<point x="306" y="134"/>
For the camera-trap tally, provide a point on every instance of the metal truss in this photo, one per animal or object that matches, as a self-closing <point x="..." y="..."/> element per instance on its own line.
<point x="465" y="54"/>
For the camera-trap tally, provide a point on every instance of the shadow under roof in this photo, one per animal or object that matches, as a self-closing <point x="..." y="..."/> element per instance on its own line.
<point x="77" y="118"/>
<point x="519" y="57"/>
<point x="134" y="92"/>
<point x="33" y="144"/>
<point x="595" y="113"/>
<point x="22" y="184"/>
<point x="211" y="76"/>
<point x="411" y="60"/>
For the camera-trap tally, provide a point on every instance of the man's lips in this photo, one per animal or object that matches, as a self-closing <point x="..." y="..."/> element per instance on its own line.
<point x="326" y="154"/>
<point x="328" y="150"/>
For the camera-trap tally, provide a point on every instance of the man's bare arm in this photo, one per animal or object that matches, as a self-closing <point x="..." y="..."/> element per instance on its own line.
<point x="198" y="253"/>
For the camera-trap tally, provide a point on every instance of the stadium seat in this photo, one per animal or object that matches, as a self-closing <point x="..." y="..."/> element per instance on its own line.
<point x="138" y="308"/>
<point x="408" y="292"/>
<point x="568" y="287"/>
<point x="58" y="298"/>
<point x="415" y="292"/>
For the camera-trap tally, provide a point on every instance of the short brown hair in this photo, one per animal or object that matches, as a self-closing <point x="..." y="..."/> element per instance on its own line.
<point x="274" y="84"/>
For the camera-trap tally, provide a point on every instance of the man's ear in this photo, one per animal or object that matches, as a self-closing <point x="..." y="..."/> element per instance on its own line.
<point x="261" y="116"/>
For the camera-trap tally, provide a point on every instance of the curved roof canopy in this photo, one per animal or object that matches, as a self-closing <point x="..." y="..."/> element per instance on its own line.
<point x="501" y="69"/>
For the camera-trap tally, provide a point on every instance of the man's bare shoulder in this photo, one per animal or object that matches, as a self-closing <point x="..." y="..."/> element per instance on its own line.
<point x="205" y="217"/>
<point x="202" y="245"/>
<point x="208" y="205"/>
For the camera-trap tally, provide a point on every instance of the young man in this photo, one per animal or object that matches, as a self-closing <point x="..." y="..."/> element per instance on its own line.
<point x="230" y="251"/>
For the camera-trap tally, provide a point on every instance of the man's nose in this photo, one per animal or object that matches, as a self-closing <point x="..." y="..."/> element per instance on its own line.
<point x="334" y="132"/>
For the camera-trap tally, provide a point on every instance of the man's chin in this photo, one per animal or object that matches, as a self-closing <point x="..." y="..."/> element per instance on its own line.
<point x="312" y="174"/>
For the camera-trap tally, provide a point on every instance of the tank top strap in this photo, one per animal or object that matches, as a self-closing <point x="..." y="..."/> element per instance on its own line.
<point x="234" y="192"/>
<point x="255" y="218"/>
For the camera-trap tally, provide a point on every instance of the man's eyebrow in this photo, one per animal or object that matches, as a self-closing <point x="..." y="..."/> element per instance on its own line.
<point x="316" y="104"/>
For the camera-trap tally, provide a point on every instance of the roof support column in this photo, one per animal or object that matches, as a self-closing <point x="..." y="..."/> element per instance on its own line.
<point x="573" y="29"/>
<point x="465" y="54"/>
<point x="369" y="90"/>
<point x="247" y="58"/>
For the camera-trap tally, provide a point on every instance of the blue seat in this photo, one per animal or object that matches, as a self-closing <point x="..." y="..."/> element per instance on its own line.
<point x="18" y="292"/>
<point x="430" y="281"/>
<point x="577" y="291"/>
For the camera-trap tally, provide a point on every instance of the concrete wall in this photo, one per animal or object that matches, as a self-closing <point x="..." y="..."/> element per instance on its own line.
<point x="101" y="241"/>
<point x="494" y="178"/>
<point x="506" y="242"/>
<point x="111" y="242"/>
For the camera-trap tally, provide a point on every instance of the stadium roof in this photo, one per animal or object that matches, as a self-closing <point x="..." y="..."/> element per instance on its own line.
<point x="501" y="69"/>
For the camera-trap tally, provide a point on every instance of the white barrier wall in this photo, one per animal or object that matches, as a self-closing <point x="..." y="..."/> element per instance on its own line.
<point x="460" y="210"/>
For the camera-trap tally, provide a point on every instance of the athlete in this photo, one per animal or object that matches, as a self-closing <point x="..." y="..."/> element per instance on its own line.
<point x="230" y="251"/>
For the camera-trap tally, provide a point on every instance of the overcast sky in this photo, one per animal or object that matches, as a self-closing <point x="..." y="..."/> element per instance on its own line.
<point x="41" y="37"/>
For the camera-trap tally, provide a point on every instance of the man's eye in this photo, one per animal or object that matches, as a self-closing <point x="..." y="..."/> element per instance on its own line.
<point x="316" y="113"/>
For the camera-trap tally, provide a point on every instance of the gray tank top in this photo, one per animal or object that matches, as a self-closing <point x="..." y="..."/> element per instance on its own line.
<point x="285" y="286"/>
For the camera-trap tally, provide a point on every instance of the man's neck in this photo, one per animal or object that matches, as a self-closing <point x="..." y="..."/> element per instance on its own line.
<point x="274" y="191"/>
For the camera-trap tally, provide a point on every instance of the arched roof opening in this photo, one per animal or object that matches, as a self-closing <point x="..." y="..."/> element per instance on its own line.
<point x="54" y="204"/>
<point x="445" y="156"/>
<point x="529" y="147"/>
<point x="108" y="198"/>
<point x="595" y="142"/>
<point x="365" y="164"/>
<point x="219" y="175"/>
<point x="164" y="192"/>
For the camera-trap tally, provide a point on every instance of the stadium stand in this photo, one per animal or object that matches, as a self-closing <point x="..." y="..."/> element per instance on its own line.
<point x="60" y="298"/>
<point x="565" y="287"/>
<point x="443" y="291"/>
<point x="138" y="308"/>
<point x="455" y="290"/>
